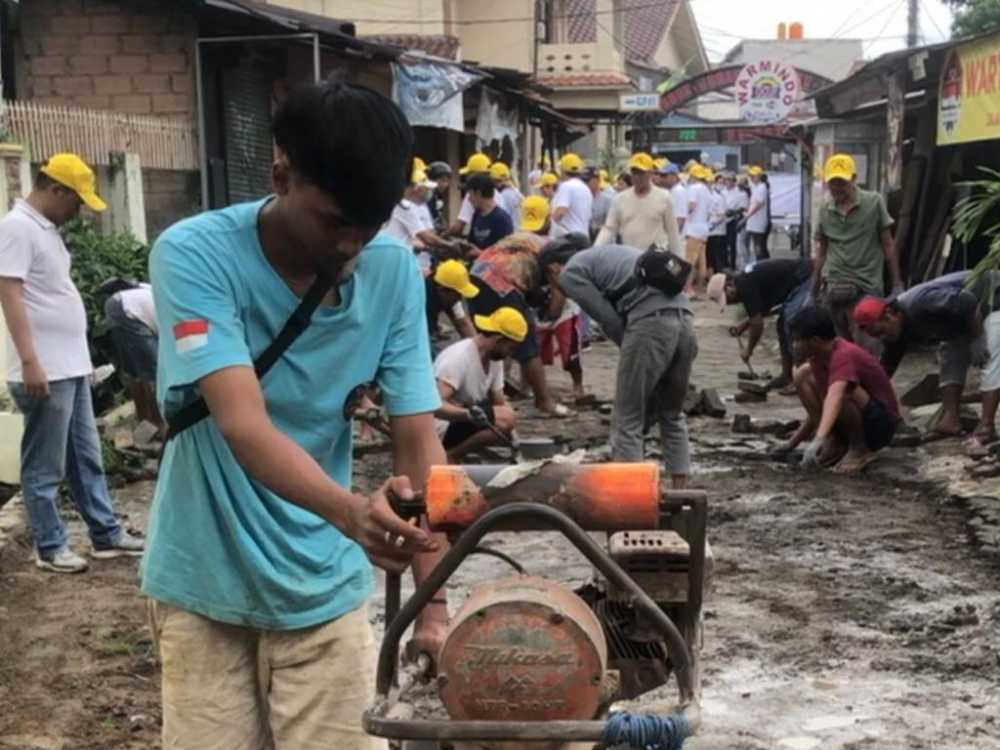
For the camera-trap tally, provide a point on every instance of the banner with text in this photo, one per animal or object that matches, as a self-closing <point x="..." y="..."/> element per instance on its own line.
<point x="969" y="102"/>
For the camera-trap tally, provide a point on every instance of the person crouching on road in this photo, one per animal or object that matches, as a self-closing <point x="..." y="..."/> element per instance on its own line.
<point x="850" y="403"/>
<point x="965" y="321"/>
<point x="780" y="283"/>
<point x="470" y="380"/>
<point x="654" y="331"/>
<point x="259" y="562"/>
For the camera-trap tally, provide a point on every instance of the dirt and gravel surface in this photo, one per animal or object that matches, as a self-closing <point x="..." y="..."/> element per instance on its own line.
<point x="859" y="612"/>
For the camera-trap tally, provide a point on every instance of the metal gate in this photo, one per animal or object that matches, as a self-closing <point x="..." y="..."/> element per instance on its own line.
<point x="247" y="121"/>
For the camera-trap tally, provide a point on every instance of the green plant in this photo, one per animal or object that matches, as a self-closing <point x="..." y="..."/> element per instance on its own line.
<point x="977" y="214"/>
<point x="96" y="259"/>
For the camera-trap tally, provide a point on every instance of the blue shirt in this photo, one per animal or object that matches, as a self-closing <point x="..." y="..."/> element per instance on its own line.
<point x="219" y="543"/>
<point x="488" y="230"/>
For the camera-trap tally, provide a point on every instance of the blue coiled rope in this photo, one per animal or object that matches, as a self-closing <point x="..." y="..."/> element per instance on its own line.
<point x="646" y="731"/>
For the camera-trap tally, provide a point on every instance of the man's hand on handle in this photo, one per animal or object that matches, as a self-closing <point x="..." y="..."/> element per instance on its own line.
<point x="389" y="541"/>
<point x="36" y="382"/>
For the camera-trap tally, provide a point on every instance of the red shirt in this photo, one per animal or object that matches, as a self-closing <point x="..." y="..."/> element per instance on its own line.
<point x="849" y="363"/>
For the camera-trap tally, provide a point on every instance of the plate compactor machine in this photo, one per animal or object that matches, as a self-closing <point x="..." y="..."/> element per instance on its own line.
<point x="528" y="659"/>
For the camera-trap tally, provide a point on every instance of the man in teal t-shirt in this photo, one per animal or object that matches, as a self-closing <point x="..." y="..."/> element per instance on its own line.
<point x="257" y="563"/>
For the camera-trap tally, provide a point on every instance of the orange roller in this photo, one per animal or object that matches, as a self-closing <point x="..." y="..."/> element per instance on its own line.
<point x="598" y="497"/>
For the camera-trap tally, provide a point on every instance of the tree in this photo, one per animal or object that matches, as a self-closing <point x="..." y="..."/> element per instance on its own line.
<point x="974" y="16"/>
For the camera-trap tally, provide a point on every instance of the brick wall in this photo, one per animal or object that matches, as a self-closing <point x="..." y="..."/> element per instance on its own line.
<point x="133" y="56"/>
<point x="170" y="196"/>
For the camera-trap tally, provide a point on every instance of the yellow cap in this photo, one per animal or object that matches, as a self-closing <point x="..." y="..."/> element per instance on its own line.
<point x="506" y="321"/>
<point x="548" y="179"/>
<point x="840" y="167"/>
<point x="571" y="164"/>
<point x="452" y="274"/>
<point x="420" y="179"/>
<point x="755" y="171"/>
<point x="72" y="172"/>
<point x="476" y="163"/>
<point x="643" y="162"/>
<point x="499" y="171"/>
<point x="419" y="164"/>
<point x="534" y="212"/>
<point x="605" y="178"/>
<point x="699" y="172"/>
<point x="660" y="163"/>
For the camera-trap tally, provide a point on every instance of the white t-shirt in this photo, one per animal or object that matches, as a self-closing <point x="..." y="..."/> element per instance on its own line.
<point x="680" y="195"/>
<point x="466" y="211"/>
<point x="405" y="222"/>
<point x="569" y="310"/>
<point x="32" y="250"/>
<point x="717" y="215"/>
<point x="758" y="196"/>
<point x="510" y="200"/>
<point x="424" y="214"/>
<point x="138" y="305"/>
<point x="735" y="199"/>
<point x="576" y="196"/>
<point x="461" y="367"/>
<point x="699" y="205"/>
<point x="641" y="221"/>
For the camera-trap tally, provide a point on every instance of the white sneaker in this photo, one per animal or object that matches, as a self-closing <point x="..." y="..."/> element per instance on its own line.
<point x="124" y="545"/>
<point x="63" y="560"/>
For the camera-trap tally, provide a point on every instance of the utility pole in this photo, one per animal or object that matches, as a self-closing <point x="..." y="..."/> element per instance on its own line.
<point x="913" y="23"/>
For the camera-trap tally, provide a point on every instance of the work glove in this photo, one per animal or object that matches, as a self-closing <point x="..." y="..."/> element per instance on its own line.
<point x="979" y="353"/>
<point x="479" y="417"/>
<point x="810" y="457"/>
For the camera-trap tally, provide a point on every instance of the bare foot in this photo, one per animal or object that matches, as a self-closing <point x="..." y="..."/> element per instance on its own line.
<point x="854" y="463"/>
<point x="948" y="428"/>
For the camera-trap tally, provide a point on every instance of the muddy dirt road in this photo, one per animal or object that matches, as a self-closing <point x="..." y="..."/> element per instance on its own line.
<point x="844" y="612"/>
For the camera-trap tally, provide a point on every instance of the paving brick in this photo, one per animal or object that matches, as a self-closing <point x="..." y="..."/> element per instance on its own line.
<point x="129" y="63"/>
<point x="151" y="83"/>
<point x="60" y="44"/>
<point x="106" y="8"/>
<point x="166" y="104"/>
<point x="76" y="25"/>
<point x="73" y="85"/>
<point x="92" y="65"/>
<point x="110" y="24"/>
<point x="104" y="44"/>
<point x="141" y="44"/>
<point x="121" y="84"/>
<point x="172" y="63"/>
<point x="135" y="104"/>
<point x="93" y="102"/>
<point x="48" y="66"/>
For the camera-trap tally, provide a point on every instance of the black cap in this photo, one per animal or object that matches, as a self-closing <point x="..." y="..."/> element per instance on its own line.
<point x="438" y="169"/>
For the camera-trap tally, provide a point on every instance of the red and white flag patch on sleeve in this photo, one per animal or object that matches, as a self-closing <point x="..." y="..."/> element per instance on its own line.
<point x="190" y="335"/>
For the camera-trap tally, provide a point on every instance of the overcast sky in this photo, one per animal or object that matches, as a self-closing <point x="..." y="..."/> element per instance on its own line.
<point x="882" y="23"/>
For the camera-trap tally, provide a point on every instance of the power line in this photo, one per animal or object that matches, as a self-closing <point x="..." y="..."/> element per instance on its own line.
<point x="888" y="21"/>
<point x="934" y="23"/>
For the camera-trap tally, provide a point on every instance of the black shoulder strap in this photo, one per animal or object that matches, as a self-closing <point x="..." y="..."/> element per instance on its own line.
<point x="193" y="413"/>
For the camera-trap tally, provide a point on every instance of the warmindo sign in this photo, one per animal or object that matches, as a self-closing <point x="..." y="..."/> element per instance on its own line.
<point x="969" y="101"/>
<point x="766" y="91"/>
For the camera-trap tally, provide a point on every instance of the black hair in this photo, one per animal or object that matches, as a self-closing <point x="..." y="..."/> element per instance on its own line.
<point x="562" y="249"/>
<point x="482" y="184"/>
<point x="349" y="141"/>
<point x="813" y="322"/>
<point x="44" y="182"/>
<point x="626" y="178"/>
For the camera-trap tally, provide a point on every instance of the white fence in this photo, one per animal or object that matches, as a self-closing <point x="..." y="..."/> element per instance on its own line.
<point x="160" y="142"/>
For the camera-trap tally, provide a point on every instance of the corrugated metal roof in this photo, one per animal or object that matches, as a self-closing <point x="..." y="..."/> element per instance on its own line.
<point x="646" y="22"/>
<point x="438" y="45"/>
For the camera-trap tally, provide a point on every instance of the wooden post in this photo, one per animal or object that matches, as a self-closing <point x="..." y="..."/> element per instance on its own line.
<point x="896" y="112"/>
<point x="125" y="198"/>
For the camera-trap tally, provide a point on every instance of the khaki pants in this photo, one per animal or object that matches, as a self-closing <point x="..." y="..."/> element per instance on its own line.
<point x="694" y="249"/>
<point x="227" y="686"/>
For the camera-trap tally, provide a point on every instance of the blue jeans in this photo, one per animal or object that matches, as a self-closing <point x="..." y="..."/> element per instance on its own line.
<point x="61" y="441"/>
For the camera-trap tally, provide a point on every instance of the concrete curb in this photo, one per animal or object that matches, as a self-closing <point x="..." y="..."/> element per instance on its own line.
<point x="11" y="520"/>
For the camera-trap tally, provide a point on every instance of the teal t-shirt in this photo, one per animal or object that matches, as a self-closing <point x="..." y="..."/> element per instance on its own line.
<point x="219" y="543"/>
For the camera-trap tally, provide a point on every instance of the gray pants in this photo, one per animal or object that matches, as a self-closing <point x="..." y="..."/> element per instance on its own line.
<point x="653" y="373"/>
